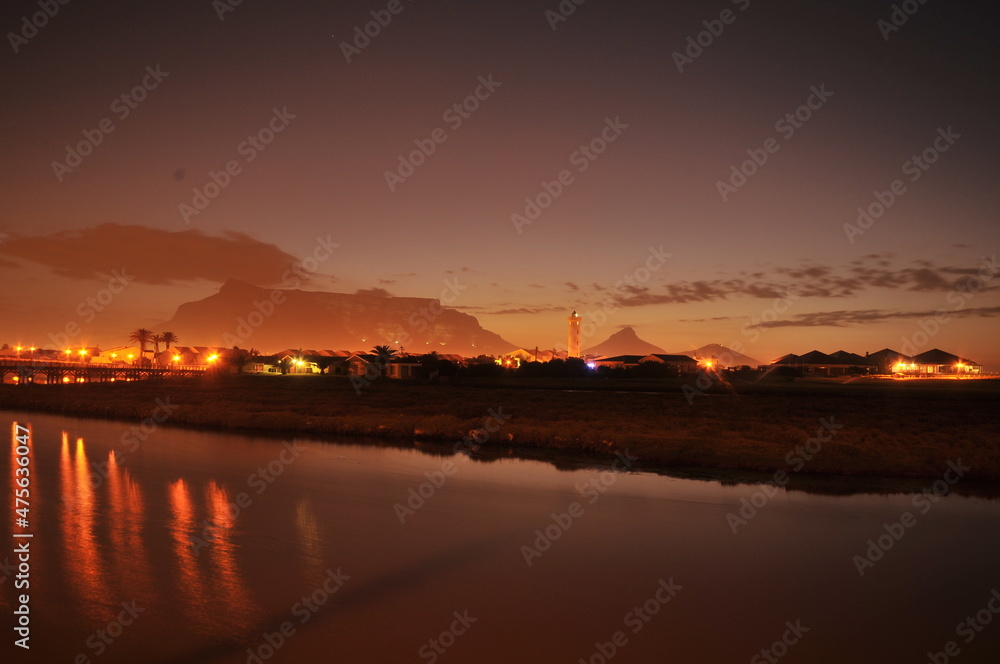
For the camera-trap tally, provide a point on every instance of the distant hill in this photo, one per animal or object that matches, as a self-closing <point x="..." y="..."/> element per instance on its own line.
<point x="725" y="356"/>
<point x="269" y="320"/>
<point x="623" y="342"/>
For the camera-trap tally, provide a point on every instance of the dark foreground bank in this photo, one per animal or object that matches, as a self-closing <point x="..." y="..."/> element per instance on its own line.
<point x="861" y="429"/>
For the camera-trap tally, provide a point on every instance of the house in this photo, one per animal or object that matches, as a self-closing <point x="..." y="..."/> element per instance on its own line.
<point x="191" y="357"/>
<point x="39" y="354"/>
<point x="364" y="364"/>
<point x="369" y="365"/>
<point x="884" y="361"/>
<point x="300" y="364"/>
<point x="260" y="366"/>
<point x="403" y="367"/>
<point x="683" y="363"/>
<point x="116" y="355"/>
<point x="619" y="361"/>
<point x="814" y="362"/>
<point x="938" y="362"/>
<point x="850" y="359"/>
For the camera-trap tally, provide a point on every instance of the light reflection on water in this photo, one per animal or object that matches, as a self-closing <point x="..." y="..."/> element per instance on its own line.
<point x="228" y="585"/>
<point x="195" y="600"/>
<point x="83" y="560"/>
<point x="160" y="525"/>
<point x="309" y="541"/>
<point x="126" y="520"/>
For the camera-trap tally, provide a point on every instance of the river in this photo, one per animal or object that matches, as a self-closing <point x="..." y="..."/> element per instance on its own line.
<point x="174" y="545"/>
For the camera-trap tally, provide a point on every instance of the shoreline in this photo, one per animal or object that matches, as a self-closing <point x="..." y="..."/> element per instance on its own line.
<point x="825" y="436"/>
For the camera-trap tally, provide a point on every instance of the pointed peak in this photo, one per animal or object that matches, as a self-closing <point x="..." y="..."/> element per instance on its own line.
<point x="625" y="332"/>
<point x="623" y="342"/>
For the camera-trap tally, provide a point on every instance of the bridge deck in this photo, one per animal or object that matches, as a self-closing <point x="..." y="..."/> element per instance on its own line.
<point x="20" y="372"/>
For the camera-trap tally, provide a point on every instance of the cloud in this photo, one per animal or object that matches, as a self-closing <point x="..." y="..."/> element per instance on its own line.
<point x="572" y="287"/>
<point x="856" y="317"/>
<point x="873" y="271"/>
<point x="152" y="256"/>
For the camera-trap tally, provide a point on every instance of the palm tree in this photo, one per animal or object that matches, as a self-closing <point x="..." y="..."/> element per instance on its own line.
<point x="157" y="340"/>
<point x="169" y="338"/>
<point x="141" y="336"/>
<point x="385" y="352"/>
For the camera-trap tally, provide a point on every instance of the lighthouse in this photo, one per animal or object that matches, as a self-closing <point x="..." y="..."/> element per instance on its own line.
<point x="573" y="344"/>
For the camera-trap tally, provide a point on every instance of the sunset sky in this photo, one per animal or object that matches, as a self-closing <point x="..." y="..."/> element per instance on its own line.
<point x="706" y="253"/>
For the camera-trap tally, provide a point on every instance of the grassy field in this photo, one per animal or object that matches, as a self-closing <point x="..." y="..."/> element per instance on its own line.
<point x="873" y="428"/>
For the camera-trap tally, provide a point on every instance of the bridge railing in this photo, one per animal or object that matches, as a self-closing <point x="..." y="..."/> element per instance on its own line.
<point x="88" y="366"/>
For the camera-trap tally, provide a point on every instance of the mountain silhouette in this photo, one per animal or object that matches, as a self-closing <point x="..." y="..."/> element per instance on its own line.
<point x="268" y="319"/>
<point x="725" y="356"/>
<point x="623" y="342"/>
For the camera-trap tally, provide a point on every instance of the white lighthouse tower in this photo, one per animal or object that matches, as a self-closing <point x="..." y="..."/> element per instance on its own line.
<point x="573" y="345"/>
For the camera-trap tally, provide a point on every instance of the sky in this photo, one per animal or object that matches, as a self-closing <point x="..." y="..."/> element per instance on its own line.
<point x="694" y="170"/>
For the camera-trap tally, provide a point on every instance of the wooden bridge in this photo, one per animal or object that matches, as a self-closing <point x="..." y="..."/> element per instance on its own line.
<point x="21" y="372"/>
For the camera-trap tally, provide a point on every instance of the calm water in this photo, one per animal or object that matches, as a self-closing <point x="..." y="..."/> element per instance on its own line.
<point x="648" y="569"/>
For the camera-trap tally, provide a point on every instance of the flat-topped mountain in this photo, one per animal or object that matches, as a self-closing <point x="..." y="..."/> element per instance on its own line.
<point x="268" y="319"/>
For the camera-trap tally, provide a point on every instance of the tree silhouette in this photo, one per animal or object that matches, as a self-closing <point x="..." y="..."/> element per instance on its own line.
<point x="385" y="352"/>
<point x="238" y="357"/>
<point x="140" y="336"/>
<point x="430" y="360"/>
<point x="157" y="340"/>
<point x="169" y="338"/>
